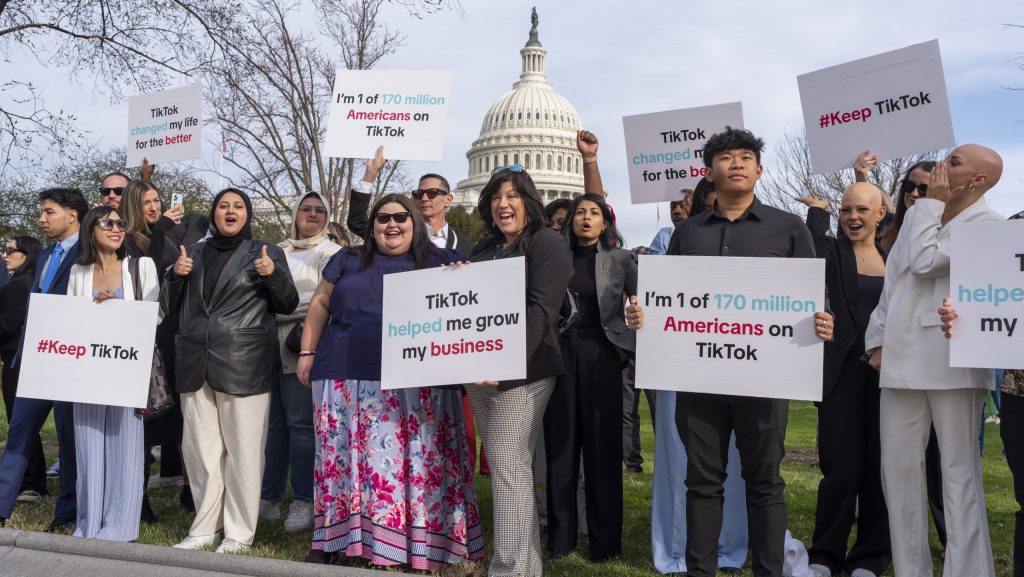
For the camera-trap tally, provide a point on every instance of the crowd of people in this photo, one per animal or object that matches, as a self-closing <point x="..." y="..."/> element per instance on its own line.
<point x="282" y="343"/>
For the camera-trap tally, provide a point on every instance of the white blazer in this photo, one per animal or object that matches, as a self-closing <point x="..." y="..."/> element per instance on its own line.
<point x="915" y="353"/>
<point x="80" y="280"/>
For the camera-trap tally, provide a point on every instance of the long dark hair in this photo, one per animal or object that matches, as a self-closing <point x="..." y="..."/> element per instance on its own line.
<point x="31" y="246"/>
<point x="131" y="207"/>
<point x="422" y="249"/>
<point x="87" y="253"/>
<point x="535" y="218"/>
<point x="700" y="194"/>
<point x="893" y="230"/>
<point x="610" y="238"/>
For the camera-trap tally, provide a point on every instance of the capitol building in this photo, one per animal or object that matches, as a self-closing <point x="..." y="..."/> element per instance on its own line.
<point x="531" y="125"/>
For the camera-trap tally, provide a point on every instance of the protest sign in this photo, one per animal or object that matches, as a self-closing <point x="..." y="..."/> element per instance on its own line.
<point x="986" y="286"/>
<point x="731" y="326"/>
<point x="894" y="104"/>
<point x="454" y="325"/>
<point x="165" y="126"/>
<point x="79" y="351"/>
<point x="665" y="150"/>
<point x="406" y="111"/>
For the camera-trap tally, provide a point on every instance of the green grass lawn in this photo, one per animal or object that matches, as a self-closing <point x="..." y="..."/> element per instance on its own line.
<point x="801" y="487"/>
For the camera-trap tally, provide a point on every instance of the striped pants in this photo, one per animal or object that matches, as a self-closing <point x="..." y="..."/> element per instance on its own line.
<point x="110" y="461"/>
<point x="509" y="422"/>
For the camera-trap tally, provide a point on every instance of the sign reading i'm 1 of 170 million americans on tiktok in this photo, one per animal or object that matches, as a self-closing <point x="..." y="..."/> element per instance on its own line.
<point x="731" y="326"/>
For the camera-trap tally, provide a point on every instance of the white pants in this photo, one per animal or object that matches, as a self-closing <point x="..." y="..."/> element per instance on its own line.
<point x="906" y="418"/>
<point x="222" y="446"/>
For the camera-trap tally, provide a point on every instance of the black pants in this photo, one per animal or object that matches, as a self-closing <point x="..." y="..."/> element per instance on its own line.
<point x="1011" y="429"/>
<point x="850" y="457"/>
<point x="35" y="472"/>
<point x="631" y="450"/>
<point x="705" y="423"/>
<point x="585" y="414"/>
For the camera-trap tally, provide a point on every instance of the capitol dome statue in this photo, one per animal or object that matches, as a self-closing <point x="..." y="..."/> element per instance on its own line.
<point x="531" y="125"/>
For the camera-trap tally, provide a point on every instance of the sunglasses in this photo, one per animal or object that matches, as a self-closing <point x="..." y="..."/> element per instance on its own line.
<point x="513" y="168"/>
<point x="13" y="249"/>
<point x="431" y="193"/>
<point x="398" y="217"/>
<point x="312" y="209"/>
<point x="117" y="191"/>
<point x="108" y="224"/>
<point x="908" y="186"/>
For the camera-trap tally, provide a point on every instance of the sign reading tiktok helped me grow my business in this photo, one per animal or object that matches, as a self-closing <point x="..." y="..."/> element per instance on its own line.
<point x="894" y="104"/>
<point x="454" y="325"/>
<point x="731" y="326"/>
<point x="165" y="126"/>
<point x="406" y="111"/>
<point x="986" y="286"/>
<point x="665" y="150"/>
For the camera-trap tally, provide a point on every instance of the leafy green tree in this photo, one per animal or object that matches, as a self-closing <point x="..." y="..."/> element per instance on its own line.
<point x="465" y="222"/>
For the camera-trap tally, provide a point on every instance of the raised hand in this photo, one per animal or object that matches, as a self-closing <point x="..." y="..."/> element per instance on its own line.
<point x="938" y="183"/>
<point x="866" y="161"/>
<point x="813" y="201"/>
<point x="183" y="266"/>
<point x="374" y="165"/>
<point x="146" y="172"/>
<point x="586" y="143"/>
<point x="264" y="265"/>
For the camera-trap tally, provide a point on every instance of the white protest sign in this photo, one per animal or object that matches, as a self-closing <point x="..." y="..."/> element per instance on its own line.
<point x="986" y="286"/>
<point x="83" y="352"/>
<point x="165" y="126"/>
<point x="404" y="110"/>
<point x="731" y="326"/>
<point x="665" y="150"/>
<point x="447" y="326"/>
<point x="894" y="104"/>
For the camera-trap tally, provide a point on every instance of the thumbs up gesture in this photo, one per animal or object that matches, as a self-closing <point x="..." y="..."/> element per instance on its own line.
<point x="634" y="315"/>
<point x="183" y="266"/>
<point x="264" y="265"/>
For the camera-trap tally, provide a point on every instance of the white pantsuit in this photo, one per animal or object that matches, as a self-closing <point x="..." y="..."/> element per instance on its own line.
<point x="919" y="389"/>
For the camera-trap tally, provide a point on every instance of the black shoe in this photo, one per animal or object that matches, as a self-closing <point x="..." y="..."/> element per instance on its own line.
<point x="633" y="469"/>
<point x="147" y="515"/>
<point x="60" y="526"/>
<point x="3" y="521"/>
<point x="729" y="570"/>
<point x="185" y="498"/>
<point x="316" y="556"/>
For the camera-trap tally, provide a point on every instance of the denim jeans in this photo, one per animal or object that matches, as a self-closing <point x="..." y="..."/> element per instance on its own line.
<point x="290" y="441"/>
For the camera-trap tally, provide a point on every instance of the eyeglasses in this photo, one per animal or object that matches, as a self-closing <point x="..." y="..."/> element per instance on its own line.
<point x="431" y="193"/>
<point x="13" y="249"/>
<point x="513" y="168"/>
<point x="108" y="224"/>
<point x="398" y="217"/>
<point x="117" y="190"/>
<point x="308" y="209"/>
<point x="908" y="186"/>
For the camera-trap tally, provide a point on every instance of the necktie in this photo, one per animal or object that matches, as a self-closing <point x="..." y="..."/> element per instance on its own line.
<point x="54" y="264"/>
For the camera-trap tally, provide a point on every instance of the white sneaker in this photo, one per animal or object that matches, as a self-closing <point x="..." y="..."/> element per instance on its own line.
<point x="198" y="541"/>
<point x="269" y="511"/>
<point x="300" y="516"/>
<point x="54" y="471"/>
<point x="820" y="570"/>
<point x="161" y="481"/>
<point x="28" y="496"/>
<point x="232" y="546"/>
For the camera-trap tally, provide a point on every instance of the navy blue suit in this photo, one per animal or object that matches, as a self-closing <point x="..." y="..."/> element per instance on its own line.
<point x="30" y="415"/>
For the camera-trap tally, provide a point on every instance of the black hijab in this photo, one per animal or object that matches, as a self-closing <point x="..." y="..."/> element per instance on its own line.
<point x="218" y="248"/>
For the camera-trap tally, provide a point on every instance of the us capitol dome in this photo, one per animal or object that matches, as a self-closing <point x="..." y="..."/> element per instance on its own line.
<point x="531" y="125"/>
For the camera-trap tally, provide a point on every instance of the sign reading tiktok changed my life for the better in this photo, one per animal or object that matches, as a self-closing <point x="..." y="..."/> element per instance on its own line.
<point x="165" y="126"/>
<point x="454" y="325"/>
<point x="986" y="286"/>
<point x="731" y="326"/>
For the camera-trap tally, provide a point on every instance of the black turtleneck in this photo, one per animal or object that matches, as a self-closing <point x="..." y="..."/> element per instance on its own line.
<point x="584" y="284"/>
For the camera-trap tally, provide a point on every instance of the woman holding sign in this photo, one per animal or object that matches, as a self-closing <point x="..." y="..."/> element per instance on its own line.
<point x="108" y="440"/>
<point x="509" y="413"/>
<point x="392" y="480"/>
<point x="584" y="414"/>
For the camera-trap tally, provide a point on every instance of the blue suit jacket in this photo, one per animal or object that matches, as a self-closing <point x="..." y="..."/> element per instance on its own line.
<point x="59" y="286"/>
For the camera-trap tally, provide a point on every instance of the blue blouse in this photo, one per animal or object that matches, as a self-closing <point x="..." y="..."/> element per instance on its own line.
<point x="350" y="345"/>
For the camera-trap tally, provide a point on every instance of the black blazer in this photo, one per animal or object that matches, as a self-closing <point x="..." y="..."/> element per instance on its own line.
<point x="841" y="288"/>
<point x="358" y="223"/>
<point x="548" y="270"/>
<point x="13" y="311"/>
<point x="60" y="282"/>
<point x="231" y="342"/>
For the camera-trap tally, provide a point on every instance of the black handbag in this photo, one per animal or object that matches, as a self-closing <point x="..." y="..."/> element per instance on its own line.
<point x="161" y="398"/>
<point x="293" y="340"/>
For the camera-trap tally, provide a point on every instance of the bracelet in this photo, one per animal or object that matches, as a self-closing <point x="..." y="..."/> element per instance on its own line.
<point x="306" y="353"/>
<point x="589" y="159"/>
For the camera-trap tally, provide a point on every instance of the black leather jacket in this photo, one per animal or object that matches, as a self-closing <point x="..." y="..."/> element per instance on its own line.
<point x="231" y="342"/>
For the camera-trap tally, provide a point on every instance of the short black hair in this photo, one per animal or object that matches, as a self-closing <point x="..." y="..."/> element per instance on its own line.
<point x="700" y="193"/>
<point x="87" y="253"/>
<point x="68" y="199"/>
<point x="524" y="185"/>
<point x="555" y="206"/>
<point x="732" y="139"/>
<point x="443" y="180"/>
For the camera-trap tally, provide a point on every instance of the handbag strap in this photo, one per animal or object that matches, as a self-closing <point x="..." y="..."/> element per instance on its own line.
<point x="133" y="269"/>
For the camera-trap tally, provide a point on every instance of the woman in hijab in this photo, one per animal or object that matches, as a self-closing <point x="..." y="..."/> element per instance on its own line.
<point x="226" y="291"/>
<point x="290" y="441"/>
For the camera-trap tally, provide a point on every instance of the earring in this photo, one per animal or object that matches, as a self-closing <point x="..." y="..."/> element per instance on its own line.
<point x="970" y="188"/>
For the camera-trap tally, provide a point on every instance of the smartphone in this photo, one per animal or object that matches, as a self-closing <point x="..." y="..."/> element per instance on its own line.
<point x="176" y="199"/>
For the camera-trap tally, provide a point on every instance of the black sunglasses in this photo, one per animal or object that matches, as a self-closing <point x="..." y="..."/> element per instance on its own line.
<point x="117" y="190"/>
<point x="398" y="217"/>
<point x="431" y="193"/>
<point x="13" y="249"/>
<point x="908" y="186"/>
<point x="109" y="223"/>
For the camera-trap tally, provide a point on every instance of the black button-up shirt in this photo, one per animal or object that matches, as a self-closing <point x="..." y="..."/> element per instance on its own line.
<point x="761" y="231"/>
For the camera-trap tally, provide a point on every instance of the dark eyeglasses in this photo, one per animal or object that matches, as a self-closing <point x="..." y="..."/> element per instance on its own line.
<point x="513" y="168"/>
<point x="308" y="209"/>
<point x="908" y="186"/>
<point x="109" y="223"/>
<point x="13" y="249"/>
<point x="398" y="217"/>
<point x="431" y="193"/>
<point x="117" y="190"/>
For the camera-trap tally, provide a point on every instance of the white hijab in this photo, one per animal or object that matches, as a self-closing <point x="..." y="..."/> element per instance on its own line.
<point x="293" y="241"/>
